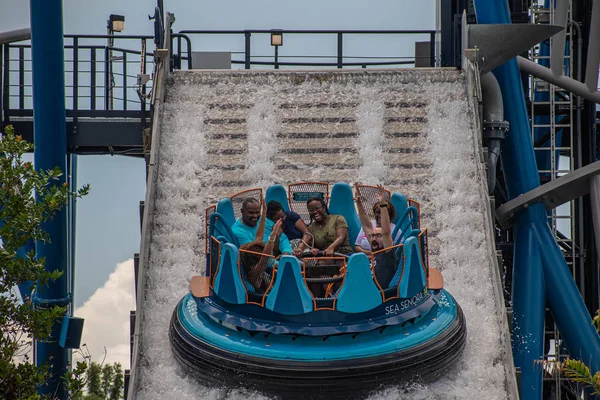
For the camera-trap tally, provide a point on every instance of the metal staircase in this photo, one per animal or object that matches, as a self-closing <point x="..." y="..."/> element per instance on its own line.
<point x="552" y="134"/>
<point x="551" y="113"/>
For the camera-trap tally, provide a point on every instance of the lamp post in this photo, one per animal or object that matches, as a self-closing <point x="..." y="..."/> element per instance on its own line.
<point x="276" y="41"/>
<point x="115" y="23"/>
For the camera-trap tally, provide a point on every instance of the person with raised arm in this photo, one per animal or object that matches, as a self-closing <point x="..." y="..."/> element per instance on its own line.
<point x="252" y="259"/>
<point x="384" y="257"/>
<point x="362" y="243"/>
<point x="245" y="227"/>
<point x="293" y="226"/>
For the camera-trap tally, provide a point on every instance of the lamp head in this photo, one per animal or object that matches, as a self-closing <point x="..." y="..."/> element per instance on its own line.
<point x="116" y="23"/>
<point x="276" y="37"/>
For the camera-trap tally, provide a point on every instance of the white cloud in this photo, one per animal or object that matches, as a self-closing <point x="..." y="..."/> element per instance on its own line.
<point x="106" y="315"/>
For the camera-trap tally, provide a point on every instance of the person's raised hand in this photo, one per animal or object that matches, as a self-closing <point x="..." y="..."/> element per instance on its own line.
<point x="278" y="228"/>
<point x="263" y="208"/>
<point x="382" y="194"/>
<point x="357" y="190"/>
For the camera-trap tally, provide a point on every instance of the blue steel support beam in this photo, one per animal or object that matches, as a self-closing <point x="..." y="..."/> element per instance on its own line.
<point x="50" y="151"/>
<point x="528" y="293"/>
<point x="565" y="302"/>
<point x="521" y="175"/>
<point x="72" y="173"/>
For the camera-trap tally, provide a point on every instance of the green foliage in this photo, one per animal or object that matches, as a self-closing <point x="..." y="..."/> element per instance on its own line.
<point x="103" y="382"/>
<point x="575" y="371"/>
<point x="596" y="321"/>
<point x="94" y="380"/>
<point x="116" y="390"/>
<point x="578" y="372"/>
<point x="107" y="379"/>
<point x="28" y="199"/>
<point x="75" y="379"/>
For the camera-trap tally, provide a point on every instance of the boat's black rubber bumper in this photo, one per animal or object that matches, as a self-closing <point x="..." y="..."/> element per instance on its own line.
<point x="333" y="379"/>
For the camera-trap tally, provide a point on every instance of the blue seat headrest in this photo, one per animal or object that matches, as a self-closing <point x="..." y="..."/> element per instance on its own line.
<point x="289" y="294"/>
<point x="342" y="203"/>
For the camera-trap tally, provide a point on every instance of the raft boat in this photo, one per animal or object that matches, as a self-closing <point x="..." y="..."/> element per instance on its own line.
<point x="289" y="343"/>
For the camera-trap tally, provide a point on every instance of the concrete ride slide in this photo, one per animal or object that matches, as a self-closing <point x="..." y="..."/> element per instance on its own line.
<point x="414" y="130"/>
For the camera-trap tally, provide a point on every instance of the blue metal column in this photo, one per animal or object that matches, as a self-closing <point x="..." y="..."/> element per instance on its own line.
<point x="50" y="151"/>
<point x="528" y="299"/>
<point x="565" y="302"/>
<point x="72" y="219"/>
<point x="520" y="171"/>
<point x="538" y="261"/>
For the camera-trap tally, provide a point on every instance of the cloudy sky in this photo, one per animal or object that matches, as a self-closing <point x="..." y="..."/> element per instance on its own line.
<point x="106" y="314"/>
<point x="108" y="219"/>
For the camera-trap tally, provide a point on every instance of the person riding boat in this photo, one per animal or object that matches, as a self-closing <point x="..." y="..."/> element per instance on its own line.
<point x="293" y="226"/>
<point x="329" y="231"/>
<point x="255" y="265"/>
<point x="245" y="228"/>
<point x="363" y="243"/>
<point x="385" y="258"/>
<point x="329" y="235"/>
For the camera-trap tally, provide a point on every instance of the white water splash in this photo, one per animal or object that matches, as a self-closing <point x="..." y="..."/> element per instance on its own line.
<point x="370" y="123"/>
<point x="263" y="125"/>
<point x="431" y="161"/>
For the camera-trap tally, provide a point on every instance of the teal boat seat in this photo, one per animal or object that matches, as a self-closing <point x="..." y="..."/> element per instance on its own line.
<point x="278" y="193"/>
<point x="359" y="292"/>
<point x="253" y="295"/>
<point x="399" y="271"/>
<point x="222" y="239"/>
<point x="219" y="228"/>
<point x="400" y="203"/>
<point x="407" y="224"/>
<point x="228" y="283"/>
<point x="342" y="202"/>
<point x="225" y="208"/>
<point x="289" y="294"/>
<point x="411" y="278"/>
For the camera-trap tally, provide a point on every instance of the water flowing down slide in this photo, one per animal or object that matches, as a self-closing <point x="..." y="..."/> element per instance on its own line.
<point x="414" y="130"/>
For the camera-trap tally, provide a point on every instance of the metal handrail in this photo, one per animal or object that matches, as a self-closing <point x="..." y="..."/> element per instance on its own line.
<point x="309" y="64"/>
<point x="15" y="36"/>
<point x="311" y="31"/>
<point x="93" y="69"/>
<point x="90" y="87"/>
<point x="78" y="36"/>
<point x="249" y="59"/>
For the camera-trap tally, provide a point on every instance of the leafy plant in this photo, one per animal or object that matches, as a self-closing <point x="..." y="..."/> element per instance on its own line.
<point x="576" y="371"/>
<point x="596" y="321"/>
<point x="102" y="382"/>
<point x="28" y="198"/>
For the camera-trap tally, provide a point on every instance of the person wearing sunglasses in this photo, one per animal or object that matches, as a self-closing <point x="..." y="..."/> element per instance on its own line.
<point x="363" y="243"/>
<point x="385" y="258"/>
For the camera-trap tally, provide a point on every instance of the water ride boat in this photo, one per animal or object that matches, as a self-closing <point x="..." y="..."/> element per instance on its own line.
<point x="286" y="341"/>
